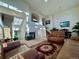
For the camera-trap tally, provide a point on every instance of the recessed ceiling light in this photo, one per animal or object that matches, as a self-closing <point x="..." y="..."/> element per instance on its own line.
<point x="45" y="0"/>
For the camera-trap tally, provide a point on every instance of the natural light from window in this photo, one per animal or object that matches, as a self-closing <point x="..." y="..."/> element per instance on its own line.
<point x="27" y="28"/>
<point x="13" y="8"/>
<point x="3" y="4"/>
<point x="26" y="13"/>
<point x="17" y="21"/>
<point x="9" y="6"/>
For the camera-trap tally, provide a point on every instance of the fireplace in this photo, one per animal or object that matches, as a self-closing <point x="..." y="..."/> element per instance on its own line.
<point x="31" y="36"/>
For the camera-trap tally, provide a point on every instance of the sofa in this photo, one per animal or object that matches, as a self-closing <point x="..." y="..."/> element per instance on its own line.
<point x="10" y="50"/>
<point x="56" y="37"/>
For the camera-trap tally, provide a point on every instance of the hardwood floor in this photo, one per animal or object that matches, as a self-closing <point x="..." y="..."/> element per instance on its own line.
<point x="70" y="50"/>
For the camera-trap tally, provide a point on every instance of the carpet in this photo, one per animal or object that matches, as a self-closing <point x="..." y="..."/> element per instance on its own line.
<point x="46" y="49"/>
<point x="50" y="50"/>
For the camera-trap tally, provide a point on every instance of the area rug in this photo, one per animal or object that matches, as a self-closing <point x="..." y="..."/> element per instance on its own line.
<point x="50" y="50"/>
<point x="46" y="48"/>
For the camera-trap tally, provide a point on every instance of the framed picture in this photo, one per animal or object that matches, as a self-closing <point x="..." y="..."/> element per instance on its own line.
<point x="34" y="18"/>
<point x="65" y="24"/>
<point x="7" y="33"/>
<point x="47" y="22"/>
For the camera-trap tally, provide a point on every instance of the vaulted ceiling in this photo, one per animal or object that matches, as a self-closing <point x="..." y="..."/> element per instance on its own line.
<point x="52" y="6"/>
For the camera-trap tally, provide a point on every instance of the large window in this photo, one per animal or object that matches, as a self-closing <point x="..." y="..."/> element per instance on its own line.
<point x="17" y="21"/>
<point x="3" y="4"/>
<point x="9" y="6"/>
<point x="16" y="27"/>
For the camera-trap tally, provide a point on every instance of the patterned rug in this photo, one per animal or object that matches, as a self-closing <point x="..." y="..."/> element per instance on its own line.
<point x="46" y="49"/>
<point x="50" y="50"/>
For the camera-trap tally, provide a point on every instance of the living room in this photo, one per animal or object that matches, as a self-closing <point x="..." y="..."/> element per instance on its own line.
<point x="39" y="29"/>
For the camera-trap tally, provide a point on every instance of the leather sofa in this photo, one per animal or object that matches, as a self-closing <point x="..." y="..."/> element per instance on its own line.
<point x="56" y="37"/>
<point x="7" y="47"/>
<point x="11" y="49"/>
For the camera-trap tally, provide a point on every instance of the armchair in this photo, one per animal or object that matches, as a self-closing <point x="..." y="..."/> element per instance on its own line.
<point x="56" y="37"/>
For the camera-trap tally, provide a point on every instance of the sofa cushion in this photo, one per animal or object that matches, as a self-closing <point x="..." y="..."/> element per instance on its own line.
<point x="10" y="46"/>
<point x="16" y="51"/>
<point x="59" y="40"/>
<point x="58" y="33"/>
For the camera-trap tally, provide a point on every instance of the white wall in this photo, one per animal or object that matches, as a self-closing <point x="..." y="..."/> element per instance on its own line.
<point x="23" y="30"/>
<point x="71" y="15"/>
<point x="1" y="21"/>
<point x="50" y="26"/>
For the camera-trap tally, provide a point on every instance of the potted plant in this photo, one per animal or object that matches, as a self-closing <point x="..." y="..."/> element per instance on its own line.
<point x="76" y="28"/>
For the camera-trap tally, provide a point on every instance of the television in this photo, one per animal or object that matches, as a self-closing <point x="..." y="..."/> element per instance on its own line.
<point x="31" y="36"/>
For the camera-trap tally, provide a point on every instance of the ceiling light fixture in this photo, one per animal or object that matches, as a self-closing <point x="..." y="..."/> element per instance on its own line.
<point x="46" y="0"/>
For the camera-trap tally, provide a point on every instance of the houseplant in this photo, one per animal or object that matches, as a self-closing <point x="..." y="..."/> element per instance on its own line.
<point x="76" y="28"/>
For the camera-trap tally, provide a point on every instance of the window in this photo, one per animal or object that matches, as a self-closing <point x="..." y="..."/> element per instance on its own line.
<point x="27" y="28"/>
<point x="26" y="13"/>
<point x="13" y="8"/>
<point x="17" y="21"/>
<point x="9" y="6"/>
<point x="18" y="10"/>
<point x="3" y="4"/>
